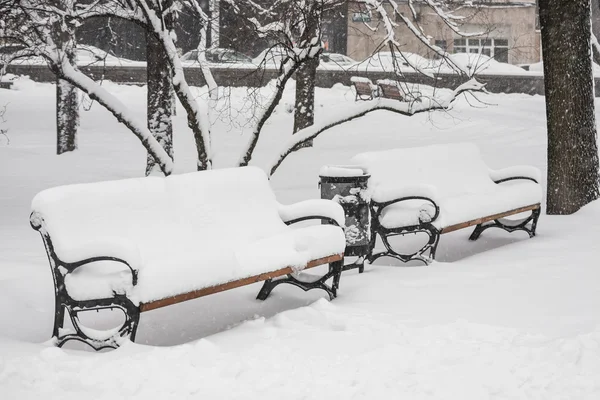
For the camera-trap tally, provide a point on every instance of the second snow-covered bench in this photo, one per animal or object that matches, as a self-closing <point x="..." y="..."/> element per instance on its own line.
<point x="176" y="239"/>
<point x="442" y="188"/>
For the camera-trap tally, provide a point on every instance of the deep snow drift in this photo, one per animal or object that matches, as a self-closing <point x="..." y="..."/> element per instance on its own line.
<point x="502" y="318"/>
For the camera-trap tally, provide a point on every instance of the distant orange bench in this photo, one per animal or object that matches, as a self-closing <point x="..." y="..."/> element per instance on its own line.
<point x="391" y="89"/>
<point x="365" y="90"/>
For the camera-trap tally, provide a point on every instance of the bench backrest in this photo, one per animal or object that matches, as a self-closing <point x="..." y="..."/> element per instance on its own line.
<point x="363" y="88"/>
<point x="453" y="169"/>
<point x="391" y="89"/>
<point x="203" y="209"/>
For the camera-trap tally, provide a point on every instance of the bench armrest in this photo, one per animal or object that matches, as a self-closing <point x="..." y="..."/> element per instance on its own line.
<point x="72" y="256"/>
<point x="427" y="213"/>
<point x="100" y="249"/>
<point x="526" y="172"/>
<point x="322" y="209"/>
<point x="389" y="194"/>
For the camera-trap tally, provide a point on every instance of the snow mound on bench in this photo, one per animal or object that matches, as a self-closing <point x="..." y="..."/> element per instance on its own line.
<point x="454" y="176"/>
<point x="184" y="232"/>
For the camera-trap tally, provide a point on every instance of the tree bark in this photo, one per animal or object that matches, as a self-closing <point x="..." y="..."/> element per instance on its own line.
<point x="596" y="28"/>
<point x="572" y="149"/>
<point x="67" y="95"/>
<point x="160" y="98"/>
<point x="67" y="116"/>
<point x="304" y="114"/>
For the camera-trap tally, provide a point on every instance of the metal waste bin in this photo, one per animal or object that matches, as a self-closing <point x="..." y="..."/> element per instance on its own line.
<point x="347" y="185"/>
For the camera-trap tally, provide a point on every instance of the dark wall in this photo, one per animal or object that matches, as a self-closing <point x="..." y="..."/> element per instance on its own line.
<point x="247" y="77"/>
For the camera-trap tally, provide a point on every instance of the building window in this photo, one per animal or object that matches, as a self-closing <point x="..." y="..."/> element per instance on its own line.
<point x="501" y="50"/>
<point x="460" y="45"/>
<point x="495" y="48"/>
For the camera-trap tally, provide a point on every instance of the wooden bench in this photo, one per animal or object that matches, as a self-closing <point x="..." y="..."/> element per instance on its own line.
<point x="365" y="90"/>
<point x="141" y="244"/>
<point x="5" y="84"/>
<point x="391" y="89"/>
<point x="442" y="188"/>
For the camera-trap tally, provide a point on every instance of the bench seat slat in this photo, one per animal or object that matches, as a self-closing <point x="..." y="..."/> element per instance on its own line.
<point x="482" y="220"/>
<point x="234" y="284"/>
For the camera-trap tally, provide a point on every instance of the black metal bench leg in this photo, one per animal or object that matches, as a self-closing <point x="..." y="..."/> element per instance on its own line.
<point x="59" y="318"/>
<point x="426" y="254"/>
<point x="337" y="268"/>
<point x="335" y="272"/>
<point x="72" y="308"/>
<point x="510" y="226"/>
<point x="358" y="264"/>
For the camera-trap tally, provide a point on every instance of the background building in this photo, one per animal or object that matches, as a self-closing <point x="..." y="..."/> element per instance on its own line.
<point x="508" y="31"/>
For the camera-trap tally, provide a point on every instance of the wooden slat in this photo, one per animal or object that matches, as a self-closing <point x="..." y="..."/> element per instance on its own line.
<point x="391" y="91"/>
<point x="489" y="218"/>
<point x="363" y="88"/>
<point x="234" y="284"/>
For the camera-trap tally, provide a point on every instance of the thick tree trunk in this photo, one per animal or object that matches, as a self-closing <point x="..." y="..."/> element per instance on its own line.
<point x="160" y="98"/>
<point x="67" y="96"/>
<point x="572" y="149"/>
<point x="159" y="27"/>
<point x="596" y="28"/>
<point x="304" y="115"/>
<point x="67" y="116"/>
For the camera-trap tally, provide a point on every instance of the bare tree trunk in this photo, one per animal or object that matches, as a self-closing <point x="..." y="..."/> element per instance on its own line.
<point x="160" y="98"/>
<point x="159" y="26"/>
<point x="67" y="97"/>
<point x="304" y="115"/>
<point x="572" y="149"/>
<point x="67" y="116"/>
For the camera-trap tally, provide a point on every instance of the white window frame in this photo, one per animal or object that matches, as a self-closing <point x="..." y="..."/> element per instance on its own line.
<point x="486" y="46"/>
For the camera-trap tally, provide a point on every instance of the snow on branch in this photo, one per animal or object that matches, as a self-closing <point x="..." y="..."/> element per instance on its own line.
<point x="299" y="36"/>
<point x="120" y="112"/>
<point x="303" y="136"/>
<point x="196" y="117"/>
<point x="439" y="7"/>
<point x="36" y="24"/>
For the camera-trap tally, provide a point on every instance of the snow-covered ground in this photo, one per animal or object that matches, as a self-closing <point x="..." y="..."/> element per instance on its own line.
<point x="502" y="318"/>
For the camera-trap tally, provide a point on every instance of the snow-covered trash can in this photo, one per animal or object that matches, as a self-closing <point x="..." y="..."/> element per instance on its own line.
<point x="347" y="185"/>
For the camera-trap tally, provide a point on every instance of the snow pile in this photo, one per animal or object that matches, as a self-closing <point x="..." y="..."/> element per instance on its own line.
<point x="8" y="77"/>
<point x="454" y="176"/>
<point x="360" y="79"/>
<point x="339" y="171"/>
<point x="477" y="64"/>
<point x="182" y="233"/>
<point x="315" y="207"/>
<point x="539" y="68"/>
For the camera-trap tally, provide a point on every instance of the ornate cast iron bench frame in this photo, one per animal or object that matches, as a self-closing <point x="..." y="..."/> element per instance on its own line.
<point x="66" y="305"/>
<point x="426" y="254"/>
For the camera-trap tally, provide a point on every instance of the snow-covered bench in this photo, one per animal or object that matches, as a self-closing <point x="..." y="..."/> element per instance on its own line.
<point x="365" y="90"/>
<point x="145" y="243"/>
<point x="442" y="188"/>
